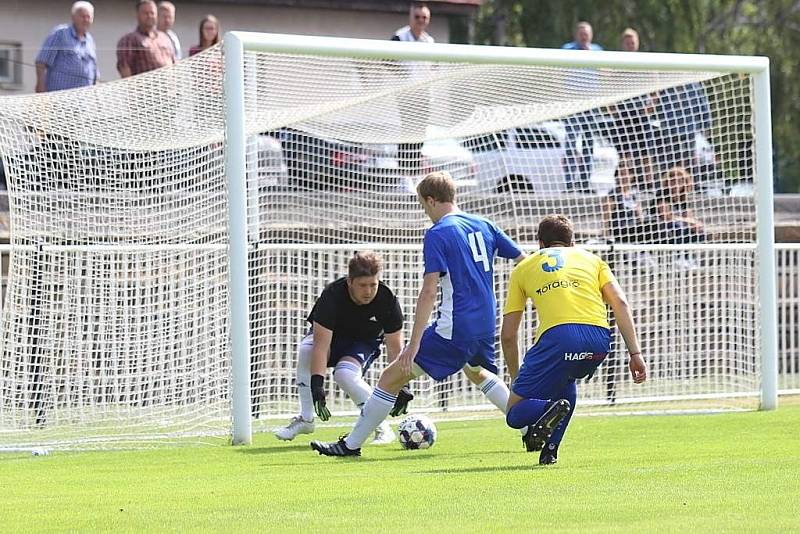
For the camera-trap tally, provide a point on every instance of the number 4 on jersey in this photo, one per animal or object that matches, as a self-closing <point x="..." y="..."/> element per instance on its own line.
<point x="478" y="246"/>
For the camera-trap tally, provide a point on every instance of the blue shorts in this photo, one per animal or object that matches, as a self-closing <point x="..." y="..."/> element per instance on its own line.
<point x="562" y="354"/>
<point x="366" y="352"/>
<point x="440" y="357"/>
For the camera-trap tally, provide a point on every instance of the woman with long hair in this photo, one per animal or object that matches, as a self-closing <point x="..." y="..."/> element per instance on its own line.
<point x="209" y="34"/>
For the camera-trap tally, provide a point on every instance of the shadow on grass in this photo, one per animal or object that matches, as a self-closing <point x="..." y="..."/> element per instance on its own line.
<point x="496" y="469"/>
<point x="371" y="456"/>
<point x="320" y="460"/>
<point x="274" y="449"/>
<point x="315" y="458"/>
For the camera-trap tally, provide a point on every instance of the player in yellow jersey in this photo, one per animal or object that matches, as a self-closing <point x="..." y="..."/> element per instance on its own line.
<point x="570" y="288"/>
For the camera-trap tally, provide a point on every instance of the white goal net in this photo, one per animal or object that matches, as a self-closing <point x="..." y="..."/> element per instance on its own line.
<point x="115" y="328"/>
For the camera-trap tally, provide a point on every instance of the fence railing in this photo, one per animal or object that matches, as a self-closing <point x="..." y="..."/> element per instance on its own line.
<point x="788" y="282"/>
<point x="788" y="286"/>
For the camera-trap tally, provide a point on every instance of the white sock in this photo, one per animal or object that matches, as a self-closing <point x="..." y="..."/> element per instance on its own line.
<point x="348" y="375"/>
<point x="496" y="391"/>
<point x="375" y="410"/>
<point x="304" y="379"/>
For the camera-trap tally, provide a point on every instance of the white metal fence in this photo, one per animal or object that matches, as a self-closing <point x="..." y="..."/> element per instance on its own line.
<point x="788" y="285"/>
<point x="788" y="282"/>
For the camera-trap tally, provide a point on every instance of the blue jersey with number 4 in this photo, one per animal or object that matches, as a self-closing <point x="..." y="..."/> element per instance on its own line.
<point x="461" y="248"/>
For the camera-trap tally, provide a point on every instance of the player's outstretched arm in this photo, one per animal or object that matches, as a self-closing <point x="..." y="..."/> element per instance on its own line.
<point x="638" y="367"/>
<point x="516" y="301"/>
<point x="394" y="344"/>
<point x="41" y="77"/>
<point x="506" y="247"/>
<point x="319" y="363"/>
<point x="615" y="297"/>
<point x="322" y="344"/>
<point x="508" y="340"/>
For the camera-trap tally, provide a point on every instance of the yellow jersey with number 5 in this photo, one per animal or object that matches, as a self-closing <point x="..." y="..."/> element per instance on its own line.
<point x="564" y="284"/>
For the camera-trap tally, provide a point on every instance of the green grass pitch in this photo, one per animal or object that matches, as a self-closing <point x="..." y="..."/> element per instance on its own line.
<point x="733" y="472"/>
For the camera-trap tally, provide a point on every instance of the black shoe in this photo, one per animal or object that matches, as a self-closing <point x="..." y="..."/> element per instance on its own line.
<point x="334" y="448"/>
<point x="539" y="432"/>
<point x="549" y="455"/>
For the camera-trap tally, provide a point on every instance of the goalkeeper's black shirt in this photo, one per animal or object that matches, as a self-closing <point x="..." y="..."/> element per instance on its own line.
<point x="336" y="311"/>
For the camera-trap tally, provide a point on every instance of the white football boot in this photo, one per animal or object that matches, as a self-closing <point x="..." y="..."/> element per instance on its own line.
<point x="296" y="426"/>
<point x="383" y="434"/>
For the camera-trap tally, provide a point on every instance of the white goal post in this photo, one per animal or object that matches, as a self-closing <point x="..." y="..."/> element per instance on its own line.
<point x="236" y="43"/>
<point x="171" y="231"/>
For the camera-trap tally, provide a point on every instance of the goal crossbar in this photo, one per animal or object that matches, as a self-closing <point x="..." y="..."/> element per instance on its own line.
<point x="458" y="53"/>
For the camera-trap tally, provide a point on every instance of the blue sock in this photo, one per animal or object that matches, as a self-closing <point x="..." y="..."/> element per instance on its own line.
<point x="525" y="412"/>
<point x="570" y="392"/>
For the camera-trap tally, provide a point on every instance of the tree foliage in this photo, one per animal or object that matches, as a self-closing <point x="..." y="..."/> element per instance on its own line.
<point x="747" y="27"/>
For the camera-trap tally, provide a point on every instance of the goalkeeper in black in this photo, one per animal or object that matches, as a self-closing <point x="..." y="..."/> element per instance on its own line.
<point x="350" y="320"/>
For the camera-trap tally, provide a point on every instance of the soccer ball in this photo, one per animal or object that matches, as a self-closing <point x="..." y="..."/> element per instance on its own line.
<point x="417" y="432"/>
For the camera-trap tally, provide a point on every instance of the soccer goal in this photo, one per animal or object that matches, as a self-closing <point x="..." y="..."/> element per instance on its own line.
<point x="170" y="232"/>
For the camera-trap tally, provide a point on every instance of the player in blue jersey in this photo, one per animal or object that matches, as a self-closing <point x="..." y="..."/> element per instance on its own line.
<point x="458" y="252"/>
<point x="570" y="288"/>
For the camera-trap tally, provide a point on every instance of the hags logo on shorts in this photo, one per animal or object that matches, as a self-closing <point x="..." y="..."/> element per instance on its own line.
<point x="573" y="356"/>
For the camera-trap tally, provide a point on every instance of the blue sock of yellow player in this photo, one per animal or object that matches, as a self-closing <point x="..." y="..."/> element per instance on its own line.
<point x="525" y="412"/>
<point x="570" y="392"/>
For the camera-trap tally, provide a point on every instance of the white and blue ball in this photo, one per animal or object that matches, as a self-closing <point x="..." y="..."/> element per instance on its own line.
<point x="417" y="432"/>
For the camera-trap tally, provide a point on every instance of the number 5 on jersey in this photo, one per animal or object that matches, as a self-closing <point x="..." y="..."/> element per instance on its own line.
<point x="556" y="255"/>
<point x="478" y="246"/>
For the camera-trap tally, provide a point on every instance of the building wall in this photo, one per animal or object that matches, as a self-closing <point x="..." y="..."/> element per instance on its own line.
<point x="28" y="23"/>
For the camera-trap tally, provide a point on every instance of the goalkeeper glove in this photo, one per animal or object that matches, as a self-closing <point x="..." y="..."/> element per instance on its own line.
<point x="318" y="395"/>
<point x="401" y="404"/>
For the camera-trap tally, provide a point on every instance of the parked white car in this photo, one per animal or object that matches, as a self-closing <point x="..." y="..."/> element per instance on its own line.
<point x="531" y="158"/>
<point x="445" y="155"/>
<point x="297" y="160"/>
<point x="266" y="162"/>
<point x="605" y="160"/>
<point x="452" y="156"/>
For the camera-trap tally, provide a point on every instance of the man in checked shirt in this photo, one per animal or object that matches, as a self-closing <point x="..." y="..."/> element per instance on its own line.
<point x="68" y="57"/>
<point x="145" y="48"/>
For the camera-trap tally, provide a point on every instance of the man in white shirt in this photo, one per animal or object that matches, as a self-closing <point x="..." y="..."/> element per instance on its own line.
<point x="414" y="107"/>
<point x="419" y="17"/>
<point x="166" y="20"/>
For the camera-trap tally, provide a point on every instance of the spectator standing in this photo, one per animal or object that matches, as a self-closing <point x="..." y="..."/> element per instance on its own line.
<point x="419" y="17"/>
<point x="623" y="218"/>
<point x="583" y="38"/>
<point x="414" y="108"/>
<point x="683" y="113"/>
<point x="145" y="48"/>
<point x="581" y="127"/>
<point x="634" y="135"/>
<point x="630" y="40"/>
<point x="166" y="21"/>
<point x="634" y="125"/>
<point x="209" y="34"/>
<point x="68" y="57"/>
